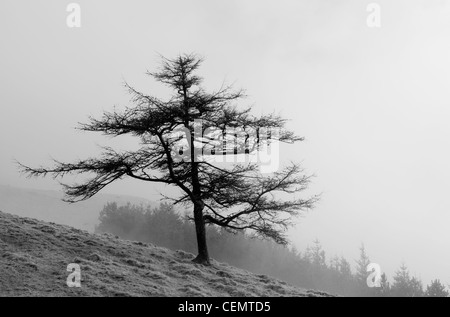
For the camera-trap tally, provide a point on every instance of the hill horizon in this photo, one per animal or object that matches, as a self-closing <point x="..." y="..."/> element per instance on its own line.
<point x="36" y="256"/>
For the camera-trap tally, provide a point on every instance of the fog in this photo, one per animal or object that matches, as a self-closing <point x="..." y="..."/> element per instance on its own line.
<point x="371" y="102"/>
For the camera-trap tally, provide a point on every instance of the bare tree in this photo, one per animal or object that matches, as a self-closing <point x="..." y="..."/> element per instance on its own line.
<point x="233" y="196"/>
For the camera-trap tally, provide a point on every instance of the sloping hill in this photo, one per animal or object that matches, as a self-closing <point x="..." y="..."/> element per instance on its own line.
<point x="34" y="256"/>
<point x="47" y="205"/>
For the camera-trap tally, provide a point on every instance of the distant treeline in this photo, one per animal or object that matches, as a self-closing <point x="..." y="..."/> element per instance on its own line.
<point x="310" y="269"/>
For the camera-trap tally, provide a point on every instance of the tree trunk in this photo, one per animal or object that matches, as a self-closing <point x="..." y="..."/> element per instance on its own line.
<point x="203" y="256"/>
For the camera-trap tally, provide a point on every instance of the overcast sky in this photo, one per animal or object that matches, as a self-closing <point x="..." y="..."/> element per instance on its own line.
<point x="373" y="103"/>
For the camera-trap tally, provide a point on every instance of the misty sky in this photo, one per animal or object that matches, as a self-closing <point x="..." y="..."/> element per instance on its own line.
<point x="373" y="104"/>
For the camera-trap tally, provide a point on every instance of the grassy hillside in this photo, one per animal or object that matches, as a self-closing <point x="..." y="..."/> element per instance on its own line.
<point x="34" y="256"/>
<point x="47" y="205"/>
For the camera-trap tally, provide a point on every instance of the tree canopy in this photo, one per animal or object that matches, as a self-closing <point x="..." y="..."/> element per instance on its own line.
<point x="179" y="139"/>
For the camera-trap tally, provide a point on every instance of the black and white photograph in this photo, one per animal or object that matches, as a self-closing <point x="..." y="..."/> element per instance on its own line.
<point x="224" y="156"/>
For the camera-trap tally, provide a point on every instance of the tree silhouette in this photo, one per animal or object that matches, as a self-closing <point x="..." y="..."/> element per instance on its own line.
<point x="179" y="139"/>
<point x="406" y="286"/>
<point x="362" y="274"/>
<point x="436" y="289"/>
<point x="362" y="264"/>
<point x="385" y="289"/>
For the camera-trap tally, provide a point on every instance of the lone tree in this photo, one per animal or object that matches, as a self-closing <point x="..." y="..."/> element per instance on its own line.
<point x="178" y="138"/>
